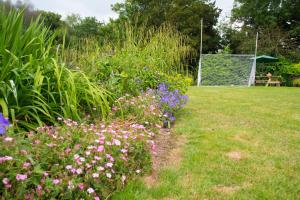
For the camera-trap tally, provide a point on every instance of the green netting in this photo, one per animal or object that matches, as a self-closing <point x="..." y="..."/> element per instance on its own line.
<point x="225" y="69"/>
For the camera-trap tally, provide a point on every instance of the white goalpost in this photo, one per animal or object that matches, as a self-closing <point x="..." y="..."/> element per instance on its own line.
<point x="226" y="69"/>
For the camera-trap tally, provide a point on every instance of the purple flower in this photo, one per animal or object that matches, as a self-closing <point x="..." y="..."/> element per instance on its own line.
<point x="170" y="101"/>
<point x="4" y="122"/>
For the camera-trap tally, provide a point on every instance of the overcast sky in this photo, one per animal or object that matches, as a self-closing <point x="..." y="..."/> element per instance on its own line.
<point x="101" y="9"/>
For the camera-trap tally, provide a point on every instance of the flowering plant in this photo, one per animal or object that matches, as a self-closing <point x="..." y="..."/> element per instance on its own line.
<point x="4" y="122"/>
<point x="143" y="109"/>
<point x="74" y="161"/>
<point x="170" y="102"/>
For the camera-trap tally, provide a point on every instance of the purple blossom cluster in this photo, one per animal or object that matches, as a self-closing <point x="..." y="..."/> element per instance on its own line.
<point x="170" y="101"/>
<point x="75" y="161"/>
<point x="4" y="123"/>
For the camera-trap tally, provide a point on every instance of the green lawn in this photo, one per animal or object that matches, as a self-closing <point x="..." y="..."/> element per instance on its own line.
<point x="261" y="125"/>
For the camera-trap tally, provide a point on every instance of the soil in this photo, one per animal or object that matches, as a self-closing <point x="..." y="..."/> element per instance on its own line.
<point x="168" y="153"/>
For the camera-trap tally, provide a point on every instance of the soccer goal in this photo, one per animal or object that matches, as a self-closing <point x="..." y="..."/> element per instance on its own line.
<point x="226" y="69"/>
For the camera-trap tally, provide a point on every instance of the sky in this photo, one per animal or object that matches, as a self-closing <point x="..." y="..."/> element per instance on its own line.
<point x="101" y="9"/>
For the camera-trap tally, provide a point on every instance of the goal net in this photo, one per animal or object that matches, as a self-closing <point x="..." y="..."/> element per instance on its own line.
<point x="226" y="69"/>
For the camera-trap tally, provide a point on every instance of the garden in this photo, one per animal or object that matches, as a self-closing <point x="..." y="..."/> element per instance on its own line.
<point x="92" y="110"/>
<point x="63" y="134"/>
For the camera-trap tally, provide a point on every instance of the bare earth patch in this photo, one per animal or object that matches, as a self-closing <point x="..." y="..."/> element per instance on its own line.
<point x="230" y="189"/>
<point x="235" y="155"/>
<point x="168" y="153"/>
<point x="226" y="189"/>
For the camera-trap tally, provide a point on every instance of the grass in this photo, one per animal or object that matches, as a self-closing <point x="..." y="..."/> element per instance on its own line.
<point x="262" y="124"/>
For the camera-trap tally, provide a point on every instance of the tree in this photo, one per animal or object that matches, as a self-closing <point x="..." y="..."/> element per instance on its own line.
<point x="184" y="15"/>
<point x="88" y="27"/>
<point x="51" y="20"/>
<point x="277" y="21"/>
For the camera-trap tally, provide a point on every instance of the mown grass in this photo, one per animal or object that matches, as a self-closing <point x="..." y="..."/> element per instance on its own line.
<point x="263" y="124"/>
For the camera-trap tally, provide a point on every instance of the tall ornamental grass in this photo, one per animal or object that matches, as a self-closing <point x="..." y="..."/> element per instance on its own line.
<point x="35" y="87"/>
<point x="161" y="49"/>
<point x="137" y="59"/>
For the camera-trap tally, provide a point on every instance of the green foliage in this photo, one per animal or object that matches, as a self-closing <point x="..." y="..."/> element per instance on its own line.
<point x="140" y="59"/>
<point x="296" y="82"/>
<point x="276" y="21"/>
<point x="34" y="84"/>
<point x="51" y="20"/>
<point x="185" y="15"/>
<point x="87" y="27"/>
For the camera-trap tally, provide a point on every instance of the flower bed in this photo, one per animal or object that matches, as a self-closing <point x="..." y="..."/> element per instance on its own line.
<point x="87" y="161"/>
<point x="77" y="161"/>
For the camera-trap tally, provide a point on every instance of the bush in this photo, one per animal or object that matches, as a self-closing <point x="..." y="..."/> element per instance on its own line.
<point x="296" y="82"/>
<point x="74" y="161"/>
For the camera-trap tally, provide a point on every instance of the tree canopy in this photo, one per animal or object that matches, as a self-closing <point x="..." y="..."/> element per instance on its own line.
<point x="277" y="21"/>
<point x="184" y="15"/>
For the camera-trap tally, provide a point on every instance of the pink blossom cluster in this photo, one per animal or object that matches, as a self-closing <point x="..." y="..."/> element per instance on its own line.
<point x="87" y="160"/>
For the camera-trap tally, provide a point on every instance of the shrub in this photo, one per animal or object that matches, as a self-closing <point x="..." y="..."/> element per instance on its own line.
<point x="74" y="161"/>
<point x="296" y="82"/>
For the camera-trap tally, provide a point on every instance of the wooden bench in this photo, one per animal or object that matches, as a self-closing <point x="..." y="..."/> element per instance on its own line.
<point x="268" y="81"/>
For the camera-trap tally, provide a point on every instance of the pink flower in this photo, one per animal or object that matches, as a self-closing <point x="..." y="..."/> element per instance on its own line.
<point x="81" y="186"/>
<point x="123" y="178"/>
<point x="46" y="174"/>
<point x="88" y="165"/>
<point x="114" y="108"/>
<point x="68" y="150"/>
<point x="37" y="141"/>
<point x="69" y="167"/>
<point x="5" y="158"/>
<point x="26" y="165"/>
<point x="39" y="187"/>
<point x="21" y="177"/>
<point x="100" y="168"/>
<point x="87" y="153"/>
<point x="73" y="170"/>
<point x="97" y="158"/>
<point x="76" y="156"/>
<point x="117" y="142"/>
<point x="95" y="175"/>
<point x="108" y="143"/>
<point x="124" y="150"/>
<point x="5" y="181"/>
<point x="100" y="148"/>
<point x="109" y="165"/>
<point x="70" y="185"/>
<point x="108" y="175"/>
<point x="96" y="198"/>
<point x="56" y="181"/>
<point x="90" y="190"/>
<point x="79" y="171"/>
<point x="8" y="139"/>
